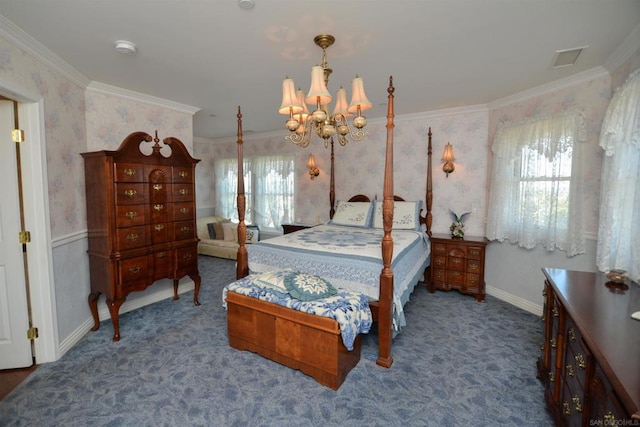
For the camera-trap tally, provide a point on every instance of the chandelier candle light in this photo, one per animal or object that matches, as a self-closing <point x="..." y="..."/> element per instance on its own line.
<point x="301" y="123"/>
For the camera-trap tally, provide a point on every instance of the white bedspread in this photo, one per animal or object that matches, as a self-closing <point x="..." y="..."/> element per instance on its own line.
<point x="349" y="257"/>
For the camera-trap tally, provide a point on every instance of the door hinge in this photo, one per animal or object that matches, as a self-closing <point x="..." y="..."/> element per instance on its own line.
<point x="32" y="333"/>
<point x="17" y="135"/>
<point x="24" y="237"/>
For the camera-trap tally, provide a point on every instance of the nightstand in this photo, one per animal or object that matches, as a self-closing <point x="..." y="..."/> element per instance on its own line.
<point x="290" y="228"/>
<point x="458" y="264"/>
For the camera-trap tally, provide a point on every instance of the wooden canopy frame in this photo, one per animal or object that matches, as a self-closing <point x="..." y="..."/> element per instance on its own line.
<point x="383" y="308"/>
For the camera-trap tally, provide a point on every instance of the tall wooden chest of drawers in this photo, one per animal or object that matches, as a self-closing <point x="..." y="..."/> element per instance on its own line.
<point x="140" y="219"/>
<point x="458" y="264"/>
<point x="590" y="360"/>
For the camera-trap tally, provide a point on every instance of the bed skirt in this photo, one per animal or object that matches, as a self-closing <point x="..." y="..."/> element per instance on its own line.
<point x="299" y="340"/>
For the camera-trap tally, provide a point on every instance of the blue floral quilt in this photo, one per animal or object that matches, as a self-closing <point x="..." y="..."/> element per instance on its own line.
<point x="350" y="309"/>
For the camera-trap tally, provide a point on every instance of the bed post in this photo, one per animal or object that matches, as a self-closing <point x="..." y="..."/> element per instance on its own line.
<point x="242" y="266"/>
<point x="332" y="185"/>
<point x="428" y="217"/>
<point x="385" y="301"/>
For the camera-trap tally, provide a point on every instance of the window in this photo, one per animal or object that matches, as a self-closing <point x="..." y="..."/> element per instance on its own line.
<point x="536" y="190"/>
<point x="619" y="221"/>
<point x="269" y="190"/>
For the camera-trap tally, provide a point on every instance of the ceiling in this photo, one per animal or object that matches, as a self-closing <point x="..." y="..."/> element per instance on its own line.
<point x="216" y="56"/>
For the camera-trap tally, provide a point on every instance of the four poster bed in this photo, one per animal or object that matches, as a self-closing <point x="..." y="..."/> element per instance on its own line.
<point x="327" y="250"/>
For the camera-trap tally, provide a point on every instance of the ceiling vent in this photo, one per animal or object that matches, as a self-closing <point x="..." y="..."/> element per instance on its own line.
<point x="567" y="57"/>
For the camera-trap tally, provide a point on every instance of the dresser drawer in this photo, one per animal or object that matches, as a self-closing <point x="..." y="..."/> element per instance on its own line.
<point x="160" y="212"/>
<point x="159" y="192"/>
<point x="475" y="252"/>
<point x="182" y="175"/>
<point x="182" y="193"/>
<point x="183" y="230"/>
<point x="183" y="211"/>
<point x="162" y="264"/>
<point x="131" y="237"/>
<point x="439" y="261"/>
<point x="130" y="194"/>
<point x="439" y="275"/>
<point x="133" y="270"/>
<point x="474" y="266"/>
<point x="439" y="249"/>
<point x="456" y="277"/>
<point x="130" y="215"/>
<point x="456" y="263"/>
<point x="160" y="232"/>
<point x="186" y="260"/>
<point x="129" y="172"/>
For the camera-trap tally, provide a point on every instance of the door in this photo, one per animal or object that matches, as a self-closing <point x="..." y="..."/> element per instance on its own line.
<point x="15" y="347"/>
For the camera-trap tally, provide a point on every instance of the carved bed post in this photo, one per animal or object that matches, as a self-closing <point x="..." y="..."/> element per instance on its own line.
<point x="385" y="310"/>
<point x="242" y="266"/>
<point x="332" y="185"/>
<point x="429" y="218"/>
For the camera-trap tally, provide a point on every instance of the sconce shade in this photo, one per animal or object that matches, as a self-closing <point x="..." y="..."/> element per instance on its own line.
<point x="358" y="97"/>
<point x="448" y="153"/>
<point x="318" y="87"/>
<point x="312" y="162"/>
<point x="289" y="98"/>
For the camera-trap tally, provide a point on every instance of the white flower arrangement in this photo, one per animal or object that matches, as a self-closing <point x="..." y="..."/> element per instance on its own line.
<point x="457" y="226"/>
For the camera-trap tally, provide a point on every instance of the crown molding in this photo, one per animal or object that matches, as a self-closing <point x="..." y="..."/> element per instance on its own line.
<point x="140" y="97"/>
<point x="585" y="76"/>
<point x="626" y="50"/>
<point x="24" y="41"/>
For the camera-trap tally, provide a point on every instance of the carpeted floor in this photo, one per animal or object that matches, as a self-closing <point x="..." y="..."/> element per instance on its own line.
<point x="457" y="363"/>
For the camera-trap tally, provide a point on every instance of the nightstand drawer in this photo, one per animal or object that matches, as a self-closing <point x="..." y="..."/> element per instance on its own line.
<point x="475" y="252"/>
<point x="456" y="277"/>
<point x="474" y="266"/>
<point x="455" y="263"/>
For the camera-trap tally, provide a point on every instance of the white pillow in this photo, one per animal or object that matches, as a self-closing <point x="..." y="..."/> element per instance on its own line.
<point x="406" y="215"/>
<point x="230" y="231"/>
<point x="355" y="214"/>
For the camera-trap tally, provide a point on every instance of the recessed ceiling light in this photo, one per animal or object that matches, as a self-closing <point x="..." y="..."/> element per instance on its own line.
<point x="246" y="4"/>
<point x="125" y="47"/>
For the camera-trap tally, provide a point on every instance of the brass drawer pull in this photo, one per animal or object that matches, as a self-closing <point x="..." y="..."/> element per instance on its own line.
<point x="566" y="408"/>
<point x="186" y="256"/>
<point x="474" y="266"/>
<point x="157" y="187"/>
<point x="455" y="273"/>
<point x="571" y="333"/>
<point x="555" y="312"/>
<point x="456" y="261"/>
<point x="161" y="254"/>
<point x="184" y="174"/>
<point x="552" y="376"/>
<point x="185" y="229"/>
<point x="184" y="211"/>
<point x="440" y="261"/>
<point x="135" y="270"/>
<point x="159" y="227"/>
<point x="158" y="207"/>
<point x="129" y="172"/>
<point x="131" y="214"/>
<point x="554" y="344"/>
<point x="576" y="403"/>
<point x="132" y="237"/>
<point x="130" y="193"/>
<point x="183" y="191"/>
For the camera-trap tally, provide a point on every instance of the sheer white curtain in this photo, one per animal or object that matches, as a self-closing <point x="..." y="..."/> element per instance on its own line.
<point x="619" y="222"/>
<point x="536" y="193"/>
<point x="269" y="190"/>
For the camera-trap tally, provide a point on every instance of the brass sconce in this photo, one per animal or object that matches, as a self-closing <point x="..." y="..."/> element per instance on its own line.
<point x="448" y="159"/>
<point x="313" y="170"/>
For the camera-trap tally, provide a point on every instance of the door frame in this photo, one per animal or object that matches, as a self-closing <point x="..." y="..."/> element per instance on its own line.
<point x="36" y="214"/>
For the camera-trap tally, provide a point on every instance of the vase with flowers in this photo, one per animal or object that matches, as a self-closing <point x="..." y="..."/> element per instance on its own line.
<point x="457" y="226"/>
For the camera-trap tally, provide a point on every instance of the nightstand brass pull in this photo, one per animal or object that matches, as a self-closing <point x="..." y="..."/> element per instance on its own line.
<point x="129" y="172"/>
<point x="135" y="270"/>
<point x="132" y="237"/>
<point x="571" y="333"/>
<point x="554" y="344"/>
<point x="131" y="214"/>
<point x="440" y="261"/>
<point x="158" y="207"/>
<point x="130" y="193"/>
<point x="576" y="403"/>
<point x="555" y="312"/>
<point x="161" y="254"/>
<point x="185" y="229"/>
<point x="566" y="408"/>
<point x="186" y="256"/>
<point x="184" y="174"/>
<point x="157" y="187"/>
<point x="473" y="266"/>
<point x="552" y="376"/>
<point x="609" y="417"/>
<point x="183" y="191"/>
<point x="159" y="227"/>
<point x="184" y="211"/>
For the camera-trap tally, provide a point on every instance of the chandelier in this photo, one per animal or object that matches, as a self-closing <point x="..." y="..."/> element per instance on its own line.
<point x="303" y="124"/>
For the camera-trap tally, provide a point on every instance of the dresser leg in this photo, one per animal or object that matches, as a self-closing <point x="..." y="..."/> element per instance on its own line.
<point x="196" y="291"/>
<point x="175" y="289"/>
<point x="114" y="309"/>
<point x="93" y="306"/>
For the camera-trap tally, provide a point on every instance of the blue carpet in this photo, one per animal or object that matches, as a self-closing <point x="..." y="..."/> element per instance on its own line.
<point x="458" y="362"/>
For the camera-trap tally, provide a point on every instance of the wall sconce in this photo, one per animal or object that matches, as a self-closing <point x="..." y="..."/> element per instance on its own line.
<point x="448" y="159"/>
<point x="313" y="170"/>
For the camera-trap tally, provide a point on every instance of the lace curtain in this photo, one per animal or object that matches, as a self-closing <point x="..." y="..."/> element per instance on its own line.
<point x="536" y="193"/>
<point x="619" y="221"/>
<point x="269" y="190"/>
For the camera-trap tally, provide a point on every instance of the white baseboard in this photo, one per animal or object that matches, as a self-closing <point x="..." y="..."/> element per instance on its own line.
<point x="514" y="300"/>
<point x="103" y="314"/>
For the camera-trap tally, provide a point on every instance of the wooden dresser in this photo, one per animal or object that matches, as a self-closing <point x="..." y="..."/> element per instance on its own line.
<point x="590" y="362"/>
<point x="140" y="219"/>
<point x="458" y="264"/>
